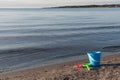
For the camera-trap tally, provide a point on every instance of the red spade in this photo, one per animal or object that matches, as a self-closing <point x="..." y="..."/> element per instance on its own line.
<point x="78" y="66"/>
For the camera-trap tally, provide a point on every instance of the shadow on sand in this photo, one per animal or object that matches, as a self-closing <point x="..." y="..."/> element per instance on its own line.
<point x="106" y="65"/>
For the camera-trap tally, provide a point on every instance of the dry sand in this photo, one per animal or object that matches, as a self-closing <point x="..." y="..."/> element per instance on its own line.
<point x="109" y="70"/>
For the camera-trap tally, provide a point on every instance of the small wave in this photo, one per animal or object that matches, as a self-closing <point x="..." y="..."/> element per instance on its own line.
<point x="112" y="48"/>
<point x="48" y="28"/>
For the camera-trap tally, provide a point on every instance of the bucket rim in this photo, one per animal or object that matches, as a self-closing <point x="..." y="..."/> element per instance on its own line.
<point x="95" y="52"/>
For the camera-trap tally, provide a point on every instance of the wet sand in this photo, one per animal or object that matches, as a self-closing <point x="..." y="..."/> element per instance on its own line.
<point x="109" y="70"/>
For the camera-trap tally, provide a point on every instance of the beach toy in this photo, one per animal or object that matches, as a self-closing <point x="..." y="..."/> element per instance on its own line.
<point x="86" y="65"/>
<point x="78" y="66"/>
<point x="94" y="58"/>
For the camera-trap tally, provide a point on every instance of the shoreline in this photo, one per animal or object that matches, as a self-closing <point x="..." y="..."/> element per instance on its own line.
<point x="59" y="71"/>
<point x="88" y="6"/>
<point x="53" y="62"/>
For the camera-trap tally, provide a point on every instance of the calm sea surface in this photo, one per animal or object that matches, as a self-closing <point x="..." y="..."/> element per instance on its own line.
<point x="35" y="36"/>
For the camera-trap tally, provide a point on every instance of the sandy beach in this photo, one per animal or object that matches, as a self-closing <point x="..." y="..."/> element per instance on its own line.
<point x="109" y="70"/>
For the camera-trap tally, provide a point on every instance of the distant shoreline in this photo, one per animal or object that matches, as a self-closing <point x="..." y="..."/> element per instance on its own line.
<point x="89" y="6"/>
<point x="70" y="6"/>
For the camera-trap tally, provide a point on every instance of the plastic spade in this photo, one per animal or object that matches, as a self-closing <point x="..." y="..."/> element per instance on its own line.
<point x="86" y="65"/>
<point x="78" y="66"/>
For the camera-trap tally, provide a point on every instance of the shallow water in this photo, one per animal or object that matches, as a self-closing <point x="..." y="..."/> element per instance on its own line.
<point x="34" y="36"/>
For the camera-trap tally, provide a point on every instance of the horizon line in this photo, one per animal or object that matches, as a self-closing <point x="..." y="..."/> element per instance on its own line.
<point x="82" y="5"/>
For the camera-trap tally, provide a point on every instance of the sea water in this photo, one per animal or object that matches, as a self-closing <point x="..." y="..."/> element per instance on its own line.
<point x="36" y="36"/>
